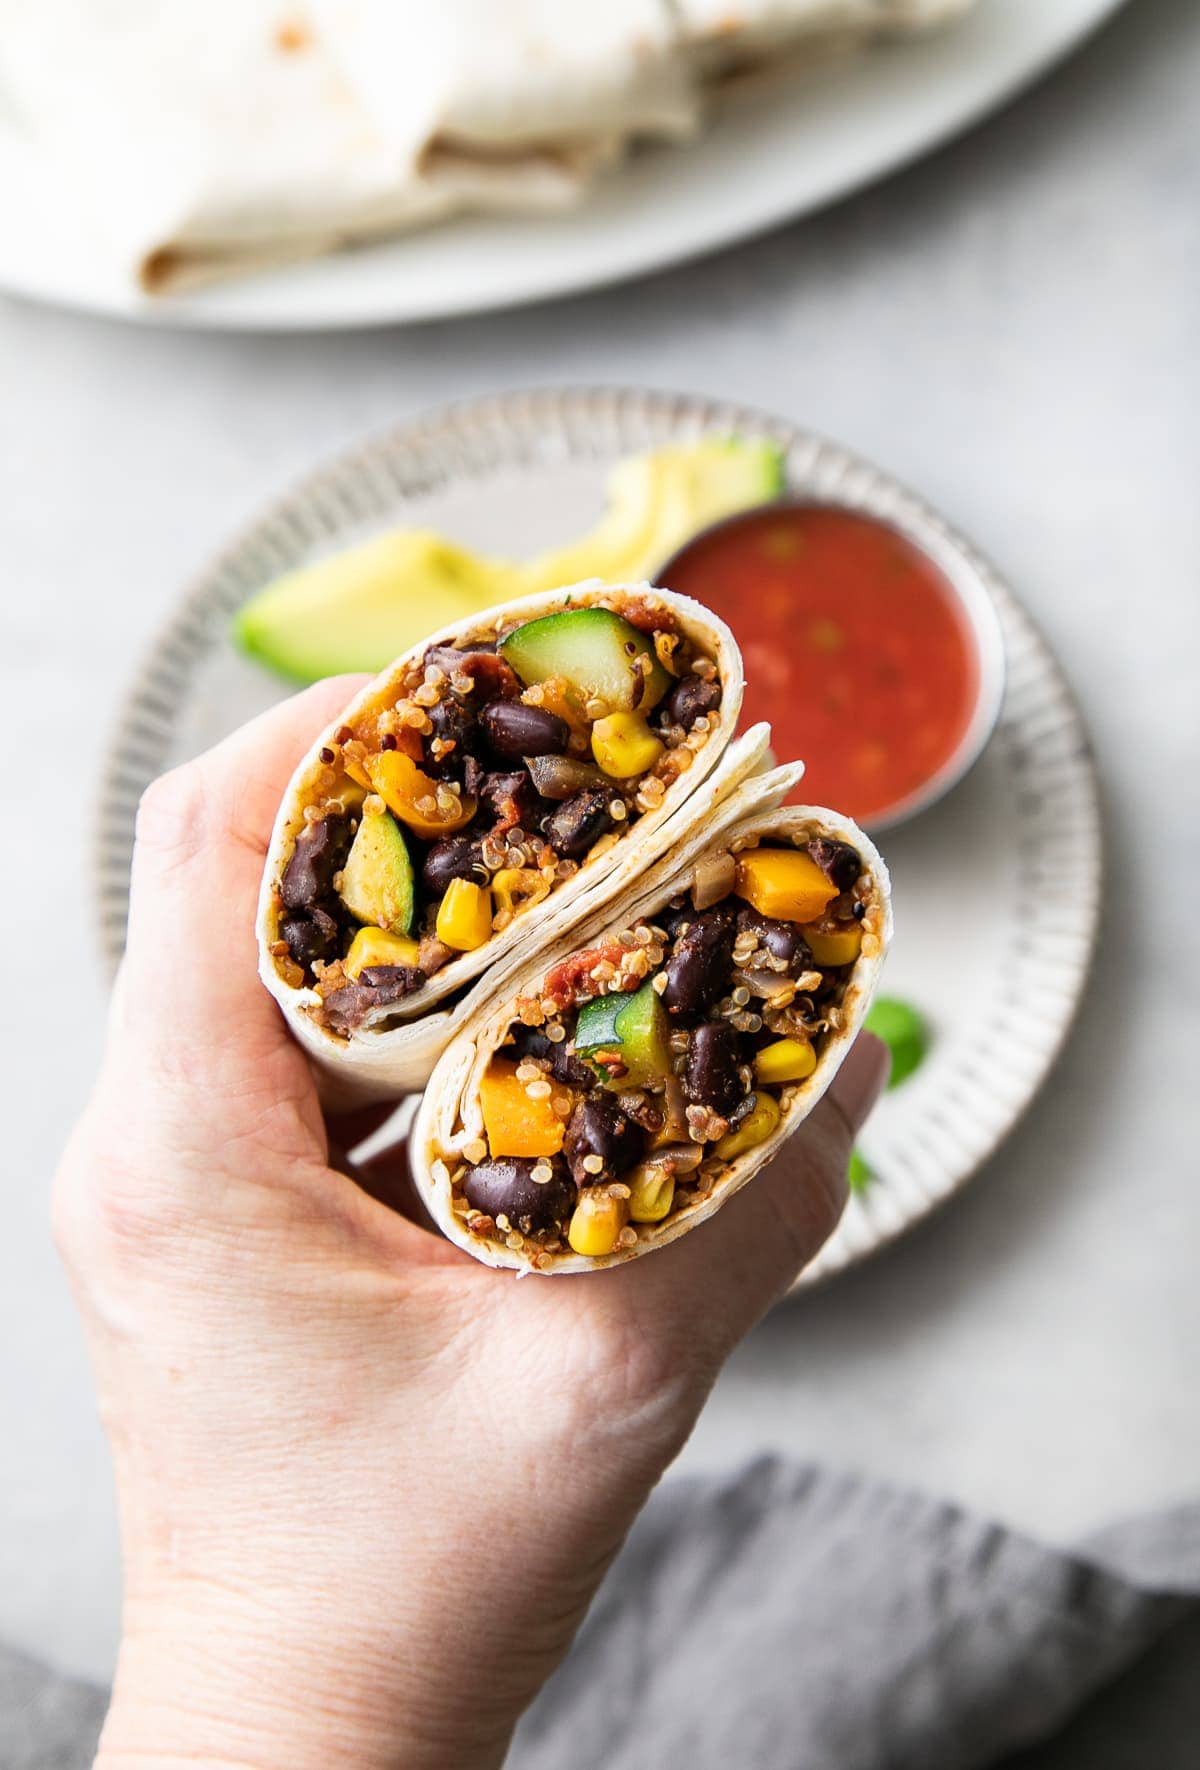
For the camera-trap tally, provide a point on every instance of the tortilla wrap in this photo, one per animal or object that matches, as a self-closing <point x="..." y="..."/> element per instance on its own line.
<point x="394" y="1050"/>
<point x="450" y="1115"/>
<point x="727" y="40"/>
<point x="196" y="142"/>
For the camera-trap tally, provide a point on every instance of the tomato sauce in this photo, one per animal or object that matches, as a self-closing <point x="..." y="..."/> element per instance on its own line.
<point x="856" y="649"/>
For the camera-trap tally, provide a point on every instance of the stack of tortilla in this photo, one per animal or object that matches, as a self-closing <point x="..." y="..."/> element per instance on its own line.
<point x="202" y="140"/>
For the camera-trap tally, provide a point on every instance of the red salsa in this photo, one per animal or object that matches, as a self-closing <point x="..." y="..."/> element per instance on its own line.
<point x="855" y="647"/>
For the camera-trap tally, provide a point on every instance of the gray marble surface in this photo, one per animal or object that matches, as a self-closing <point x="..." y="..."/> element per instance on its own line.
<point x="1013" y="327"/>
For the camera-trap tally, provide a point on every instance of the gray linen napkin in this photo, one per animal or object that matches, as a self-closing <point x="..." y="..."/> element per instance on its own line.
<point x="793" y="1619"/>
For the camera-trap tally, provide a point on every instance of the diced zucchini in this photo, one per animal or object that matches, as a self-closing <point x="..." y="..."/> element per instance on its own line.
<point x="378" y="885"/>
<point x="634" y="1026"/>
<point x="596" y="1027"/>
<point x="594" y="651"/>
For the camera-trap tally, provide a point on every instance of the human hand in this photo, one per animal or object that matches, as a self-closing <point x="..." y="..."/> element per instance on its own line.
<point x="367" y="1486"/>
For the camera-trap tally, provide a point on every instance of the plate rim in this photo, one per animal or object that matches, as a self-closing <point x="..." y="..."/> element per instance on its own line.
<point x="266" y="301"/>
<point x="143" y="721"/>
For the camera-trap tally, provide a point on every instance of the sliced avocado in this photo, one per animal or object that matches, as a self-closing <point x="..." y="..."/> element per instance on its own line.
<point x="378" y="885"/>
<point x="593" y="649"/>
<point x="659" y="500"/>
<point x="361" y="608"/>
<point x="633" y="1024"/>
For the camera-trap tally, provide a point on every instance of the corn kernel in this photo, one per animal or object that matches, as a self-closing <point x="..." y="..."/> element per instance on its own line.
<point x="597" y="1222"/>
<point x="787" y="1060"/>
<point x="464" y="918"/>
<point x="754" y="1129"/>
<point x="651" y="1192"/>
<point x="376" y="946"/>
<point x="351" y="791"/>
<point x="518" y="888"/>
<point x="624" y="745"/>
<point x="839" y="946"/>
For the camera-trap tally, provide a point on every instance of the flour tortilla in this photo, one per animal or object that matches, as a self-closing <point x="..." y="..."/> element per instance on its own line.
<point x="199" y="141"/>
<point x="450" y="1115"/>
<point x="395" y="1049"/>
<point x="731" y="37"/>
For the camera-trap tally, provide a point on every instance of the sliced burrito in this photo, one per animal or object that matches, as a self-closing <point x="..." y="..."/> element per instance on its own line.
<point x="494" y="786"/>
<point x="627" y="1086"/>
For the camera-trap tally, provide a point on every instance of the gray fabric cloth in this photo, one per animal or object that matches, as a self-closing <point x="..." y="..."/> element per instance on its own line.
<point x="793" y="1619"/>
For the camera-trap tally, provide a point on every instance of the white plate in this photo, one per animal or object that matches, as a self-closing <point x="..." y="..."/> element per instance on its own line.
<point x="777" y="153"/>
<point x="996" y="889"/>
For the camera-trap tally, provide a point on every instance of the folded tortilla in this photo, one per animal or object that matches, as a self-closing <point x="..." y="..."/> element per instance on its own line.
<point x="395" y="1047"/>
<point x="196" y="141"/>
<point x="187" y="143"/>
<point x="728" y="38"/>
<point x="450" y="1131"/>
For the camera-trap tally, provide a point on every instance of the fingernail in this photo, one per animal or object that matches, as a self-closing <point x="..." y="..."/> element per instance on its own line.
<point x="862" y="1078"/>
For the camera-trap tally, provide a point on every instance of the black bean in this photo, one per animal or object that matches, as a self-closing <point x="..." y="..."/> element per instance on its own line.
<point x="579" y="822"/>
<point x="453" y="723"/>
<point x="564" y="1065"/>
<point x="454" y="857"/>
<point x="320" y="852"/>
<point x="377" y="986"/>
<point x="492" y="678"/>
<point x="783" y="940"/>
<point x="310" y="936"/>
<point x="837" y="860"/>
<point x="505" y="1187"/>
<point x="598" y="1127"/>
<point x="673" y="918"/>
<point x="514" y="730"/>
<point x="698" y="971"/>
<point x="690" y="697"/>
<point x="507" y="801"/>
<point x="710" y="1075"/>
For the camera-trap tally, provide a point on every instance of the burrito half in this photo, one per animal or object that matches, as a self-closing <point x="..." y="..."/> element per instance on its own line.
<point x="496" y="785"/>
<point x="630" y="1084"/>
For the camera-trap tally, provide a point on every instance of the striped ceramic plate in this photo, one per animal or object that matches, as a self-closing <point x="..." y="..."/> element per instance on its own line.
<point x="997" y="888"/>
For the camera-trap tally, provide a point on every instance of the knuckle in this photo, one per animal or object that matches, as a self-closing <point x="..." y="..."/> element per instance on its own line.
<point x="173" y="815"/>
<point x="103" y="1212"/>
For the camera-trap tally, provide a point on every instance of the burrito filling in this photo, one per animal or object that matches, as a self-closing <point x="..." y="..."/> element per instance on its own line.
<point x="500" y="767"/>
<point x="652" y="1061"/>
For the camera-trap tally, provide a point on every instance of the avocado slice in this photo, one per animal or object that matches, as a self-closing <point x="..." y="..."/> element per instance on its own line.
<point x="593" y="650"/>
<point x="361" y="608"/>
<point x="378" y="881"/>
<point x="659" y="500"/>
<point x="634" y="1024"/>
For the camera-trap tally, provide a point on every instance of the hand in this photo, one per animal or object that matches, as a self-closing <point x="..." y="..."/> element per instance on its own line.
<point x="367" y="1486"/>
